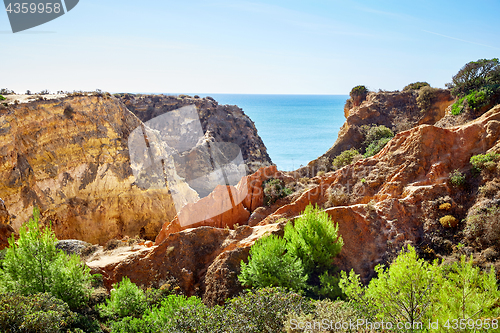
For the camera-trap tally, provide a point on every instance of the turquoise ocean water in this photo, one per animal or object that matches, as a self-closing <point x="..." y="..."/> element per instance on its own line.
<point x="295" y="128"/>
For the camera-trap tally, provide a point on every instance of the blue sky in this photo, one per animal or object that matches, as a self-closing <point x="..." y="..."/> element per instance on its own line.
<point x="273" y="47"/>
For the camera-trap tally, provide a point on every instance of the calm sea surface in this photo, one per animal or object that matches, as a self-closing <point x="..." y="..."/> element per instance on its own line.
<point x="295" y="128"/>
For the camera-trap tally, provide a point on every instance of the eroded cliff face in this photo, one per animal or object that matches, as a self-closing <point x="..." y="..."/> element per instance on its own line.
<point x="380" y="203"/>
<point x="398" y="111"/>
<point x="72" y="158"/>
<point x="220" y="123"/>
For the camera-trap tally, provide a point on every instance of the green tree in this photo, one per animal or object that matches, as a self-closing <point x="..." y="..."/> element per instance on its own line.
<point x="271" y="265"/>
<point x="33" y="265"/>
<point x="404" y="292"/>
<point x="314" y="239"/>
<point x="466" y="293"/>
<point x="475" y="75"/>
<point x="301" y="260"/>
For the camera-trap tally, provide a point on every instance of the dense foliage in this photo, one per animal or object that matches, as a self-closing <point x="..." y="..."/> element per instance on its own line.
<point x="274" y="189"/>
<point x="301" y="260"/>
<point x="425" y="97"/>
<point x="262" y="310"/>
<point x="376" y="138"/>
<point x="346" y="158"/>
<point x="474" y="76"/>
<point x="36" y="313"/>
<point x="358" y="92"/>
<point x="271" y="265"/>
<point x="126" y="299"/>
<point x="476" y="85"/>
<point x="32" y="265"/>
<point x="484" y="161"/>
<point x="414" y="291"/>
<point x="416" y="86"/>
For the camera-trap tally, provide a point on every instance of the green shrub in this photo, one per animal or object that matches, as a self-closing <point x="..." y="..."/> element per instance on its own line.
<point x="425" y="97"/>
<point x="480" y="161"/>
<point x="358" y="91"/>
<point x="32" y="264"/>
<point x="474" y="101"/>
<point x="376" y="146"/>
<point x="2" y="98"/>
<point x="159" y="318"/>
<point x="271" y="265"/>
<point x="467" y="293"/>
<point x="314" y="239"/>
<point x="474" y="76"/>
<point x="416" y="86"/>
<point x="274" y="189"/>
<point x="35" y="313"/>
<point x="457" y="178"/>
<point x="482" y="229"/>
<point x="304" y="254"/>
<point x="375" y="133"/>
<point x="346" y="158"/>
<point x="327" y="313"/>
<point x="126" y="299"/>
<point x="264" y="310"/>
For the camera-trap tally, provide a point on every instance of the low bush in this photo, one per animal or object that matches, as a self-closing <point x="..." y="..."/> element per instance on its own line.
<point x="416" y="86"/>
<point x="2" y="98"/>
<point x="326" y="316"/>
<point x="264" y="310"/>
<point x="126" y="299"/>
<point x="376" y="138"/>
<point x="274" y="189"/>
<point x="473" y="101"/>
<point x="482" y="161"/>
<point x="426" y="96"/>
<point x="261" y="310"/>
<point x="448" y="221"/>
<point x="337" y="196"/>
<point x="345" y="158"/>
<point x="375" y="147"/>
<point x="34" y="313"/>
<point x="358" y="91"/>
<point x="161" y="318"/>
<point x="482" y="228"/>
<point x="457" y="178"/>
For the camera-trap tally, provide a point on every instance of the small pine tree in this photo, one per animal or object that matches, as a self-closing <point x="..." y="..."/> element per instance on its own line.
<point x="33" y="265"/>
<point x="126" y="299"/>
<point x="270" y="265"/>
<point x="314" y="239"/>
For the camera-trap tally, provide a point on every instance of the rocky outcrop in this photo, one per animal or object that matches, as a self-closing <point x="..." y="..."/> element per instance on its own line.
<point x="195" y="258"/>
<point x="398" y="111"/>
<point x="394" y="197"/>
<point x="72" y="157"/>
<point x="5" y="229"/>
<point x="220" y="123"/>
<point x="226" y="206"/>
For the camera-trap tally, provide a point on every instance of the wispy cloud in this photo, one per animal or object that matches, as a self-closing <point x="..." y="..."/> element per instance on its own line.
<point x="461" y="40"/>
